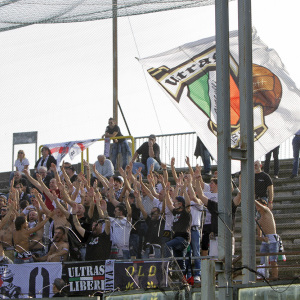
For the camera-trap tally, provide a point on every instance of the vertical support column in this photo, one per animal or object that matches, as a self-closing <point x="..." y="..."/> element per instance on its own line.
<point x="115" y="59"/>
<point x="247" y="142"/>
<point x="224" y="144"/>
<point x="208" y="283"/>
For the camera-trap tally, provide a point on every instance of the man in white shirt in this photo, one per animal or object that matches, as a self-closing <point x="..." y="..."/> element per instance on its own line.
<point x="104" y="166"/>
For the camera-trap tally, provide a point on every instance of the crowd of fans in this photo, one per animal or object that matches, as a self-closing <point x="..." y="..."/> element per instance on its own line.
<point x="54" y="214"/>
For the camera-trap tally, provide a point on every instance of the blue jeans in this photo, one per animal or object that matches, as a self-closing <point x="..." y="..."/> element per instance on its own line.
<point x="134" y="244"/>
<point x="156" y="252"/>
<point x="120" y="148"/>
<point x="195" y="249"/>
<point x="179" y="247"/>
<point x="150" y="161"/>
<point x="269" y="248"/>
<point x="296" y="149"/>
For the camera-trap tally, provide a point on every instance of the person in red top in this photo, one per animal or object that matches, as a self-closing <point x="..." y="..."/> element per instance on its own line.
<point x="39" y="184"/>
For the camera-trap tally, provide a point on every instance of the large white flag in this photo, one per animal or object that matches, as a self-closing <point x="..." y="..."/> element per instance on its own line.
<point x="188" y="75"/>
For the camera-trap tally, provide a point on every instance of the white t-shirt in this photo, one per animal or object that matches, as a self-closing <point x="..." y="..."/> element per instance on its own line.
<point x="119" y="232"/>
<point x="21" y="164"/>
<point x="196" y="212"/>
<point x="212" y="197"/>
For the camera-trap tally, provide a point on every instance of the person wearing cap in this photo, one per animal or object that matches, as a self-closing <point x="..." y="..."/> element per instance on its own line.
<point x="181" y="211"/>
<point x="97" y="241"/>
<point x="119" y="145"/>
<point x="150" y="152"/>
<point x="266" y="228"/>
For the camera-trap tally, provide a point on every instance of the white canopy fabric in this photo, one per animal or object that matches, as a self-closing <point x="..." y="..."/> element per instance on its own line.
<point x="19" y="13"/>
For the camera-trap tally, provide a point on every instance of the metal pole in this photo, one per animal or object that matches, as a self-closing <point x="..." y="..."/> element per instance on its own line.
<point x="247" y="142"/>
<point x="115" y="59"/>
<point x="224" y="144"/>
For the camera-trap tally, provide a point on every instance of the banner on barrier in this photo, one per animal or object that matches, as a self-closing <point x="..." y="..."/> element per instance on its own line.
<point x="85" y="278"/>
<point x="140" y="274"/>
<point x="28" y="280"/>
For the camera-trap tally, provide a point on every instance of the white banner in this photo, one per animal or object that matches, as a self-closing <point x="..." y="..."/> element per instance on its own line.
<point x="188" y="75"/>
<point x="28" y="280"/>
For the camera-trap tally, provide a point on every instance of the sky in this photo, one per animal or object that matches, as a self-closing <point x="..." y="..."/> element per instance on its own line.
<point x="57" y="78"/>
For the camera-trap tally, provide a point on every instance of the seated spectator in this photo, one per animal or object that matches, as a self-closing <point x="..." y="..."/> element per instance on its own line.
<point x="150" y="152"/>
<point x="104" y="166"/>
<point x="119" y="145"/>
<point x="21" y="163"/>
<point x="59" y="249"/>
<point x="45" y="160"/>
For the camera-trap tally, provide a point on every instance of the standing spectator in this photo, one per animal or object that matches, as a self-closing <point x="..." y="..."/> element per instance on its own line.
<point x="263" y="185"/>
<point x="150" y="152"/>
<point x="275" y="152"/>
<point x="104" y="166"/>
<point x="45" y="160"/>
<point x="267" y="235"/>
<point x="296" y="149"/>
<point x="70" y="170"/>
<point x="59" y="249"/>
<point x="153" y="238"/>
<point x="202" y="151"/>
<point x="21" y="239"/>
<point x="119" y="145"/>
<point x="181" y="225"/>
<point x="98" y="240"/>
<point x="120" y="227"/>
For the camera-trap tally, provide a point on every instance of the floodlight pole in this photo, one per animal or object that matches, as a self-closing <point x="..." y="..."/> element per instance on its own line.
<point x="247" y="139"/>
<point x="224" y="144"/>
<point x="115" y="59"/>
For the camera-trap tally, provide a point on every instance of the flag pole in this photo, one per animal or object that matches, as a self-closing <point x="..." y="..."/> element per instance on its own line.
<point x="247" y="139"/>
<point x="224" y="144"/>
<point x="115" y="59"/>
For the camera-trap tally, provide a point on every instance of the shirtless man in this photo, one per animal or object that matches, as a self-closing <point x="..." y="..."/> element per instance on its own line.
<point x="6" y="231"/>
<point x="59" y="249"/>
<point x="4" y="259"/>
<point x="267" y="234"/>
<point x="35" y="242"/>
<point x="21" y="238"/>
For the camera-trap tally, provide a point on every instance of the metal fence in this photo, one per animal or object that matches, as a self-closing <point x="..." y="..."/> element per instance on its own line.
<point x="180" y="145"/>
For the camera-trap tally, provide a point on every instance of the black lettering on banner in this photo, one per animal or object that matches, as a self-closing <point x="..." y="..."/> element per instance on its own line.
<point x="46" y="282"/>
<point x="32" y="278"/>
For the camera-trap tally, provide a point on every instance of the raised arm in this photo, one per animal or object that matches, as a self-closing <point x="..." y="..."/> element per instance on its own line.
<point x="128" y="207"/>
<point x="38" y="197"/>
<point x="111" y="193"/>
<point x="32" y="180"/>
<point x="199" y="192"/>
<point x="140" y="205"/>
<point x="174" y="174"/>
<point x="169" y="203"/>
<point x="88" y="171"/>
<point x="101" y="178"/>
<point x="77" y="225"/>
<point x="187" y="161"/>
